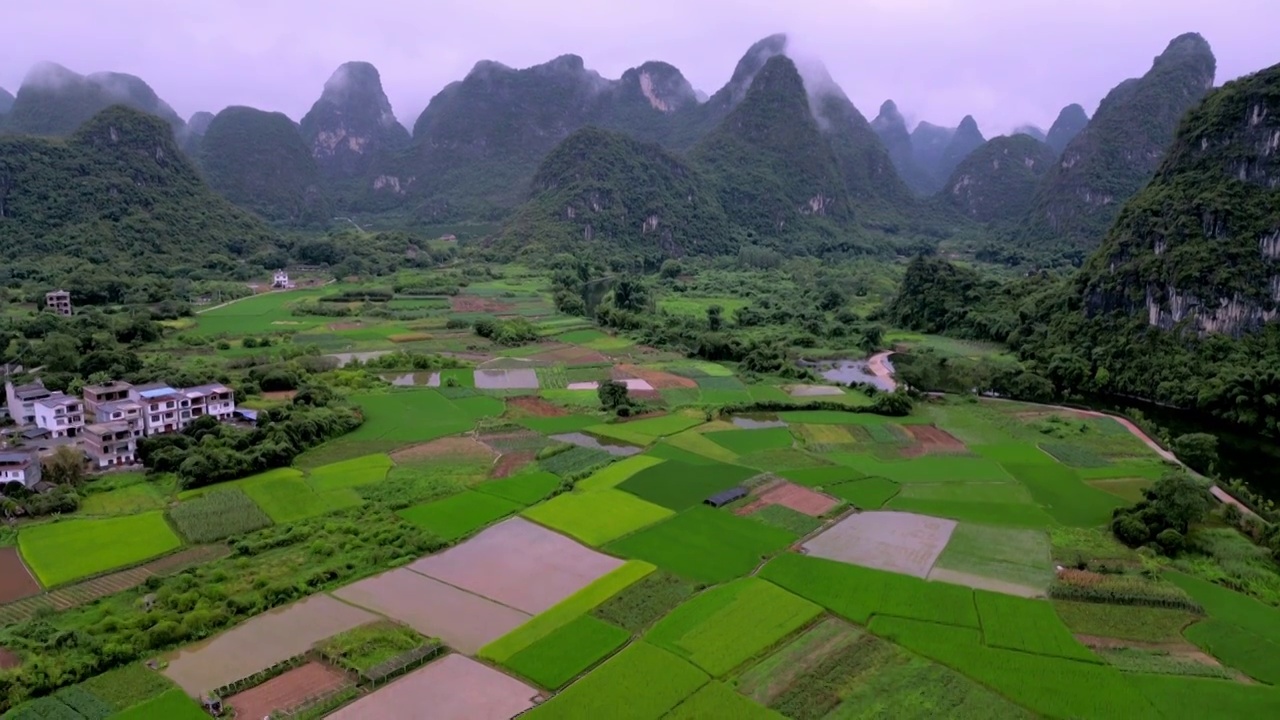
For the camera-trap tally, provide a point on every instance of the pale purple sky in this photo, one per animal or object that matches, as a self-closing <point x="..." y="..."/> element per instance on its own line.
<point x="1006" y="62"/>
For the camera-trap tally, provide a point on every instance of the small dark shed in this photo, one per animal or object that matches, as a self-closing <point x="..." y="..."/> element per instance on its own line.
<point x="721" y="499"/>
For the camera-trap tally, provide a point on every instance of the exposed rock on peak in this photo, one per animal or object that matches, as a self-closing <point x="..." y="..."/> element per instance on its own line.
<point x="1071" y="120"/>
<point x="661" y="85"/>
<point x="352" y="125"/>
<point x="965" y="139"/>
<point x="1198" y="248"/>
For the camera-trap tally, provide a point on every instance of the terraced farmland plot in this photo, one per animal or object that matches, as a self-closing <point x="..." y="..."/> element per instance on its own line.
<point x="350" y="473"/>
<point x="699" y="444"/>
<point x="1018" y="515"/>
<point x="639" y="605"/>
<point x="865" y="494"/>
<point x="724" y="627"/>
<point x="393" y="419"/>
<point x="644" y="432"/>
<point x="837" y="671"/>
<point x="704" y="544"/>
<point x="598" y="516"/>
<point x="287" y="498"/>
<point x="640" y="683"/>
<point x="928" y="469"/>
<point x="523" y="490"/>
<point x="858" y="593"/>
<point x="822" y="476"/>
<point x="568" y="651"/>
<point x="1031" y="626"/>
<point x="59" y="552"/>
<point x="678" y="486"/>
<point x="614" y="474"/>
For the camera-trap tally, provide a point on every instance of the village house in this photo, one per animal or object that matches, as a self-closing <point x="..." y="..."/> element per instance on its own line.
<point x="19" y="465"/>
<point x="166" y="409"/>
<point x="109" y="444"/>
<point x="62" y="415"/>
<point x="281" y="280"/>
<point x="58" y="301"/>
<point x="21" y="400"/>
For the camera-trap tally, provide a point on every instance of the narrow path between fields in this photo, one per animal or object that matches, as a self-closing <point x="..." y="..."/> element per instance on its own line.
<point x="254" y="295"/>
<point x="1222" y="495"/>
<point x="878" y="364"/>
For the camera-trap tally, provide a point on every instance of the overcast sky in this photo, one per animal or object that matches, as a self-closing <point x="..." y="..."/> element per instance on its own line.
<point x="1006" y="62"/>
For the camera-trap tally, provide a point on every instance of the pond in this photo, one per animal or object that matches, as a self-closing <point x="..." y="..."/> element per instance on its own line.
<point x="757" y="421"/>
<point x="847" y="370"/>
<point x="412" y="379"/>
<point x="612" y="447"/>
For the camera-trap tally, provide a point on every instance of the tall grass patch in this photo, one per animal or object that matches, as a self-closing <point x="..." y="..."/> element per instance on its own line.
<point x="217" y="515"/>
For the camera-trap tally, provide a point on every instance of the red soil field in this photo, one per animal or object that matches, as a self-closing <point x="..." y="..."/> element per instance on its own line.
<point x="529" y="405"/>
<point x="658" y="379"/>
<point x="16" y="581"/>
<point x="9" y="659"/>
<point x="930" y="439"/>
<point x="450" y="447"/>
<point x="287" y="691"/>
<point x="471" y="303"/>
<point x="798" y="498"/>
<point x="509" y="463"/>
<point x="570" y="355"/>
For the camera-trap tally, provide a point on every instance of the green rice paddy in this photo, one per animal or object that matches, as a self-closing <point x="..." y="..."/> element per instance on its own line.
<point x="598" y="516"/>
<point x="459" y="515"/>
<point x="59" y="552"/>
<point x="704" y="545"/>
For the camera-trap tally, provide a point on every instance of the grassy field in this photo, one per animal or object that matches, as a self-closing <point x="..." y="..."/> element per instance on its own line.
<point x="1009" y="555"/>
<point x="679" y="486"/>
<point x="644" y="432"/>
<point x="640" y="683"/>
<point x="523" y="490"/>
<point x="135" y="498"/>
<point x="566" y="611"/>
<point x="858" y="593"/>
<point x="460" y="515"/>
<point x="716" y="699"/>
<point x="568" y="651"/>
<point x="1032" y="626"/>
<point x="59" y="552"/>
<point x="1127" y="622"/>
<point x="724" y="627"/>
<point x="172" y="705"/>
<point x="741" y="442"/>
<point x="598" y="516"/>
<point x="616" y="473"/>
<point x="705" y="545"/>
<point x="865" y="494"/>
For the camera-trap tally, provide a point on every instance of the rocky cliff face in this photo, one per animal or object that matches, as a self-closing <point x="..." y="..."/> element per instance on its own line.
<point x="352" y="124"/>
<point x="56" y="101"/>
<point x="1120" y="148"/>
<point x="1198" y="249"/>
<point x="996" y="182"/>
<point x="891" y="127"/>
<point x="1071" y="120"/>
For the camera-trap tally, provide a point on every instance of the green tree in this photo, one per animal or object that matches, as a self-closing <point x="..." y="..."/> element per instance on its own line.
<point x="613" y="395"/>
<point x="1198" y="450"/>
<point x="715" y="318"/>
<point x="64" y="467"/>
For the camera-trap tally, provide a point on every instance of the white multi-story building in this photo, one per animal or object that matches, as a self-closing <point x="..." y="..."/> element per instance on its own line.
<point x="166" y="409"/>
<point x="62" y="415"/>
<point x="21" y="400"/>
<point x="19" y="466"/>
<point x="110" y="444"/>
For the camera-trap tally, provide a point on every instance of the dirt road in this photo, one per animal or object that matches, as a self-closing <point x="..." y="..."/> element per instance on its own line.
<point x="879" y="366"/>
